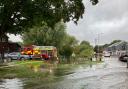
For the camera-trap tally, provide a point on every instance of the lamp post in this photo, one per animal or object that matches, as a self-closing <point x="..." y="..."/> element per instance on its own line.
<point x="98" y="48"/>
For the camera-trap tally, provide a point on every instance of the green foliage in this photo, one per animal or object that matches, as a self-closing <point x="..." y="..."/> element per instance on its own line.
<point x="114" y="41"/>
<point x="84" y="43"/>
<point x="82" y="50"/>
<point x="45" y="35"/>
<point x="98" y="48"/>
<point x="68" y="46"/>
<point x="16" y="15"/>
<point x="67" y="51"/>
<point x="85" y="49"/>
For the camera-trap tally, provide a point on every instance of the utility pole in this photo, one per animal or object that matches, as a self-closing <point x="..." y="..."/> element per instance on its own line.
<point x="98" y="48"/>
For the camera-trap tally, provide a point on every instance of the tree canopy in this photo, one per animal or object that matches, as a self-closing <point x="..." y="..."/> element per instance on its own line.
<point x="114" y="41"/>
<point x="84" y="49"/>
<point x="17" y="15"/>
<point x="44" y="35"/>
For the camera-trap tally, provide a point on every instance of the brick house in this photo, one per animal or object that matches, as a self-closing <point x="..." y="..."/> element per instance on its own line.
<point x="6" y="46"/>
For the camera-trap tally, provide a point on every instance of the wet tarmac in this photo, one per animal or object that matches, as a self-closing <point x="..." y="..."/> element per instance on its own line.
<point x="111" y="74"/>
<point x="11" y="84"/>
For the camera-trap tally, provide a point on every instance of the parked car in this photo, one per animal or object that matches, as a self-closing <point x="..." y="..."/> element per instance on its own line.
<point x="123" y="57"/>
<point x="106" y="54"/>
<point x="16" y="56"/>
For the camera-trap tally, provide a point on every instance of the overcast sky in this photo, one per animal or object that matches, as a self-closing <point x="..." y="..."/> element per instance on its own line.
<point x="109" y="19"/>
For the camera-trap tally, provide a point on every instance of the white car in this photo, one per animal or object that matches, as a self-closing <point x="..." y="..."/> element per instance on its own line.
<point x="16" y="56"/>
<point x="107" y="54"/>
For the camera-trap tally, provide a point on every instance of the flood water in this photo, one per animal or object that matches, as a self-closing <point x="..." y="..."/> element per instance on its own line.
<point x="11" y="84"/>
<point x="111" y="74"/>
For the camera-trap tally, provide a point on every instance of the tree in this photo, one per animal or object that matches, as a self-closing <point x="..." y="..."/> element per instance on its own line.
<point x="98" y="48"/>
<point x="67" y="51"/>
<point x="68" y="46"/>
<point x="17" y="15"/>
<point x="114" y="41"/>
<point x="84" y="43"/>
<point x="45" y="35"/>
<point x="85" y="49"/>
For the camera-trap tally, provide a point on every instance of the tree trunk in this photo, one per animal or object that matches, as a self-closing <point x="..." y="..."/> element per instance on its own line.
<point x="3" y="46"/>
<point x="2" y="57"/>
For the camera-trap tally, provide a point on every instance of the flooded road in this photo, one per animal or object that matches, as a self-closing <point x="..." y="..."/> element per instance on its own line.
<point x="11" y="84"/>
<point x="111" y="74"/>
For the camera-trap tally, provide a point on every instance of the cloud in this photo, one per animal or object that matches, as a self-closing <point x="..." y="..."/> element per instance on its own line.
<point x="107" y="17"/>
<point x="14" y="38"/>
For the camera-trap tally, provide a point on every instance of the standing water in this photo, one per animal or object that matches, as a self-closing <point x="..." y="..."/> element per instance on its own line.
<point x="11" y="84"/>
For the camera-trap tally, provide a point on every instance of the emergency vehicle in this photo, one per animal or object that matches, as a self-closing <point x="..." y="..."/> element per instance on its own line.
<point x="43" y="52"/>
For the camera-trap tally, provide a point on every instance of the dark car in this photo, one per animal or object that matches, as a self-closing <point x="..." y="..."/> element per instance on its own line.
<point x="123" y="57"/>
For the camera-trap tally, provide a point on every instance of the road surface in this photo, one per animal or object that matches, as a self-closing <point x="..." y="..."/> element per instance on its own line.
<point x="112" y="74"/>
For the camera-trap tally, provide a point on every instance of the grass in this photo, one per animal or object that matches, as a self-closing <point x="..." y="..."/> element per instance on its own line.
<point x="26" y="70"/>
<point x="27" y="62"/>
<point x="20" y="72"/>
<point x="32" y="69"/>
<point x="23" y="69"/>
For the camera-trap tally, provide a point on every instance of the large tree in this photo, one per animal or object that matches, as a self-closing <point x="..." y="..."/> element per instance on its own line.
<point x="47" y="36"/>
<point x="44" y="35"/>
<point x="17" y="15"/>
<point x="84" y="49"/>
<point x="69" y="44"/>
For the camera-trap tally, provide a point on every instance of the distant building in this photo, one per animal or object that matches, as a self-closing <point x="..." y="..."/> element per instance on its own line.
<point x="9" y="47"/>
<point x="4" y="38"/>
<point x="117" y="48"/>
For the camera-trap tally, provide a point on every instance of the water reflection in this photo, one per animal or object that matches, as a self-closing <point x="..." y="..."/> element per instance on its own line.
<point x="61" y="75"/>
<point x="11" y="84"/>
<point x="42" y="68"/>
<point x="35" y="68"/>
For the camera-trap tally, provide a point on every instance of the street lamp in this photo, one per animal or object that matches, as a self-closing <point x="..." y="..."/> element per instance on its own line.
<point x="98" y="40"/>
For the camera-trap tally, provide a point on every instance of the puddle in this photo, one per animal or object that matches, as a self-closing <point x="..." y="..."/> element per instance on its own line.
<point x="64" y="75"/>
<point x="11" y="84"/>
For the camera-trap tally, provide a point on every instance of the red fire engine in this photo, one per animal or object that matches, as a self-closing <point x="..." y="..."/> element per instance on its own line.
<point x="43" y="52"/>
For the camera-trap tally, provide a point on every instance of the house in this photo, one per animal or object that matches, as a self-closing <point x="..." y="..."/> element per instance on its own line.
<point x="117" y="48"/>
<point x="7" y="46"/>
<point x="4" y="38"/>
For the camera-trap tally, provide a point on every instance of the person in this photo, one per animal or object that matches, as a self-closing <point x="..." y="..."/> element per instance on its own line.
<point x="19" y="56"/>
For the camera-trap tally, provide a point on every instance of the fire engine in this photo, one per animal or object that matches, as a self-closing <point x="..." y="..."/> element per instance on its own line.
<point x="43" y="52"/>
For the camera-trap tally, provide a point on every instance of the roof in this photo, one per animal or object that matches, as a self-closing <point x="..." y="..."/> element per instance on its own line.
<point x="45" y="47"/>
<point x="118" y="43"/>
